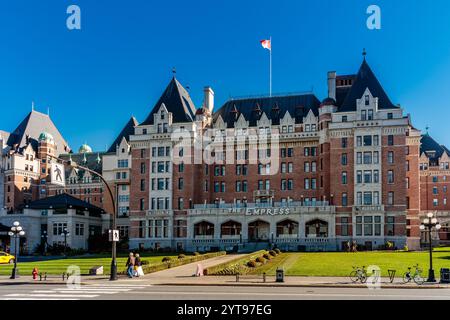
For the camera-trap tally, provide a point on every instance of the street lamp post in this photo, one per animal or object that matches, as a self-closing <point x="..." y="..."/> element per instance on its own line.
<point x="427" y="225"/>
<point x="44" y="237"/>
<point x="16" y="232"/>
<point x="65" y="234"/>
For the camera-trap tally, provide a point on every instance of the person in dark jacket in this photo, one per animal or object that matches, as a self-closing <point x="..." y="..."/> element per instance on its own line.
<point x="130" y="265"/>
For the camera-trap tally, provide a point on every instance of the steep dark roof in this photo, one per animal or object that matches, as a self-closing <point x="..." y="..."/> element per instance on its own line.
<point x="32" y="126"/>
<point x="366" y="79"/>
<point x="427" y="144"/>
<point x="177" y="101"/>
<point x="126" y="132"/>
<point x="274" y="107"/>
<point x="65" y="201"/>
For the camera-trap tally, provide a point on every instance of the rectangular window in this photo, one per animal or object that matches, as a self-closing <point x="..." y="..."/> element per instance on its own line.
<point x="390" y="198"/>
<point x="367" y="157"/>
<point x="390" y="177"/>
<point x="359" y="198"/>
<point x="359" y="158"/>
<point x="344" y="177"/>
<point x="390" y="157"/>
<point x="344" y="142"/>
<point x="367" y="141"/>
<point x="344" y="159"/>
<point x="390" y="140"/>
<point x="367" y="198"/>
<point x="359" y="226"/>
<point x="344" y="199"/>
<point x="368" y="226"/>
<point x="359" y="178"/>
<point x="367" y="176"/>
<point x="359" y="141"/>
<point x="376" y="140"/>
<point x="390" y="226"/>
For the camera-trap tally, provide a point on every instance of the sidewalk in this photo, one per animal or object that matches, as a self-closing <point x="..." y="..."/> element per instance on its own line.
<point x="244" y="281"/>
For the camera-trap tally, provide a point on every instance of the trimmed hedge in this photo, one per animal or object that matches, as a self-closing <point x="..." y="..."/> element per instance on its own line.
<point x="233" y="267"/>
<point x="171" y="263"/>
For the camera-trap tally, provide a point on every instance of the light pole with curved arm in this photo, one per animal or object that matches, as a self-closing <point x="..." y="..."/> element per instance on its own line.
<point x="113" y="275"/>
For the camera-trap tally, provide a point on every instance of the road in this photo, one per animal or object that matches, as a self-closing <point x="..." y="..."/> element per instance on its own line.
<point x="108" y="291"/>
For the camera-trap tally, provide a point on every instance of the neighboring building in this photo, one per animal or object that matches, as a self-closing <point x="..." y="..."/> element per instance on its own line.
<point x="51" y="216"/>
<point x="434" y="168"/>
<point x="340" y="171"/>
<point x="24" y="162"/>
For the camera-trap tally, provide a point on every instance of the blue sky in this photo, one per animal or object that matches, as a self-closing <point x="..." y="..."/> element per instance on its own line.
<point x="119" y="63"/>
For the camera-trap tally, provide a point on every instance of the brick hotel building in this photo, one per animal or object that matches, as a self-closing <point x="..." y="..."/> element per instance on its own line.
<point x="349" y="168"/>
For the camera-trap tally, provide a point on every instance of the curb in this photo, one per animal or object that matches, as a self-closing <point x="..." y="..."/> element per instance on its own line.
<point x="278" y="285"/>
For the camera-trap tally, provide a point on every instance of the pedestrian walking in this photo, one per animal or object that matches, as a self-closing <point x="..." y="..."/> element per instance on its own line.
<point x="138" y="266"/>
<point x="130" y="265"/>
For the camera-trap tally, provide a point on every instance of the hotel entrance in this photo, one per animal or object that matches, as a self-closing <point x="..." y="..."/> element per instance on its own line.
<point x="258" y="231"/>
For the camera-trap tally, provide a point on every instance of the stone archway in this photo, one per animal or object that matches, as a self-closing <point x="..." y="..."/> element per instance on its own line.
<point x="258" y="230"/>
<point x="204" y="230"/>
<point x="230" y="229"/>
<point x="316" y="229"/>
<point x="287" y="229"/>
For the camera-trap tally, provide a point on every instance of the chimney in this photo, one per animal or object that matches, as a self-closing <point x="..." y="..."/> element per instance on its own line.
<point x="332" y="85"/>
<point x="209" y="98"/>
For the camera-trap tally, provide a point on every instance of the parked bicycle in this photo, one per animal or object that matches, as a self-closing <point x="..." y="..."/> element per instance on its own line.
<point x="416" y="275"/>
<point x="358" y="274"/>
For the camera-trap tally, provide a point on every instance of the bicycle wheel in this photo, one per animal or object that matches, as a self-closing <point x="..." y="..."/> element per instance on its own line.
<point x="354" y="276"/>
<point x="418" y="279"/>
<point x="363" y="277"/>
<point x="406" y="277"/>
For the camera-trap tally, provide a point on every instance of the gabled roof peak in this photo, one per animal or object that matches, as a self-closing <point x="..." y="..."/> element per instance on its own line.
<point x="366" y="79"/>
<point x="177" y="101"/>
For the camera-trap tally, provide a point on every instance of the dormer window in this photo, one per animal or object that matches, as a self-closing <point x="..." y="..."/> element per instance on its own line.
<point x="370" y="115"/>
<point x="144" y="131"/>
<point x="390" y="115"/>
<point x="363" y="115"/>
<point x="344" y="119"/>
<point x="162" y="116"/>
<point x="366" y="100"/>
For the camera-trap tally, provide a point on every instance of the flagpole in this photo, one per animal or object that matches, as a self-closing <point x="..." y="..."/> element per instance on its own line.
<point x="270" y="69"/>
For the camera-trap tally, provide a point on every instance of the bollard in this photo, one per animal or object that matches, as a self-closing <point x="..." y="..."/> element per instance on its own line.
<point x="40" y="276"/>
<point x="45" y="276"/>
<point x="237" y="277"/>
<point x="264" y="277"/>
<point x="63" y="276"/>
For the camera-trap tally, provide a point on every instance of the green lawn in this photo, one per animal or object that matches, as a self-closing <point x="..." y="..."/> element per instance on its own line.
<point x="57" y="267"/>
<point x="340" y="263"/>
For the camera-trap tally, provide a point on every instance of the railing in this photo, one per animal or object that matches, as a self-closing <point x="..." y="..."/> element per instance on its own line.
<point x="369" y="208"/>
<point x="264" y="193"/>
<point x="288" y="204"/>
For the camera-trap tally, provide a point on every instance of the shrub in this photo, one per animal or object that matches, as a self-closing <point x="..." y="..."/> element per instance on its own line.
<point x="196" y="253"/>
<point x="278" y="251"/>
<point x="145" y="262"/>
<point x="272" y="253"/>
<point x="267" y="256"/>
<point x="166" y="259"/>
<point x="260" y="259"/>
<point x="181" y="256"/>
<point x="251" y="264"/>
<point x="405" y="248"/>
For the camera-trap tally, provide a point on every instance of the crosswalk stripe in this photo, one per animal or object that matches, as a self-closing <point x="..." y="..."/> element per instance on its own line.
<point x="47" y="295"/>
<point x="92" y="289"/>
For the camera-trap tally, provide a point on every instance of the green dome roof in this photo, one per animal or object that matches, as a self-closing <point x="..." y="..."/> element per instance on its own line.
<point x="46" y="137"/>
<point x="85" y="149"/>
